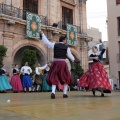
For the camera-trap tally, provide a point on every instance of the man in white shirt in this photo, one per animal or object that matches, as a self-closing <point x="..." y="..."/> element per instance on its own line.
<point x="26" y="79"/>
<point x="59" y="70"/>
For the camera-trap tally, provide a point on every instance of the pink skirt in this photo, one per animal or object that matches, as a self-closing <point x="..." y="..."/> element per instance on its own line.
<point x="95" y="77"/>
<point x="59" y="74"/>
<point x="16" y="83"/>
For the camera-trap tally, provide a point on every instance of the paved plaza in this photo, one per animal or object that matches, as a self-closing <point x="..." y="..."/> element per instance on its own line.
<point x="79" y="106"/>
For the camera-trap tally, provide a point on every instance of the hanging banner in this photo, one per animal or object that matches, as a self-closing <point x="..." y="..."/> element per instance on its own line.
<point x="33" y="26"/>
<point x="72" y="35"/>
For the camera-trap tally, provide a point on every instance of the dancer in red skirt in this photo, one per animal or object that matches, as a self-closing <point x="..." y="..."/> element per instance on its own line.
<point x="59" y="70"/>
<point x="16" y="81"/>
<point x="96" y="77"/>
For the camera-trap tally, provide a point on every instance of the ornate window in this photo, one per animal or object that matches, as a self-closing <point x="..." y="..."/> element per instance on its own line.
<point x="117" y="1"/>
<point x="31" y="6"/>
<point x="67" y="17"/>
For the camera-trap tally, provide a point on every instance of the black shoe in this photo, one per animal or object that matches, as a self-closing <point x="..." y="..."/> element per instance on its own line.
<point x="30" y="91"/>
<point x="65" y="96"/>
<point x="93" y="93"/>
<point x="102" y="95"/>
<point x="4" y="92"/>
<point x="52" y="96"/>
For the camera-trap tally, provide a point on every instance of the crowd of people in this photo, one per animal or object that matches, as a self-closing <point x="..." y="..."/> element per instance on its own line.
<point x="21" y="80"/>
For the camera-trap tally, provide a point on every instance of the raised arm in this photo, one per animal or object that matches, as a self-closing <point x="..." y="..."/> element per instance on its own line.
<point x="44" y="67"/>
<point x="69" y="55"/>
<point x="46" y="41"/>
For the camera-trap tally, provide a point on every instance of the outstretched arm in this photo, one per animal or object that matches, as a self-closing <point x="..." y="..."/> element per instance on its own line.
<point x="46" y="41"/>
<point x="69" y="55"/>
<point x="44" y="67"/>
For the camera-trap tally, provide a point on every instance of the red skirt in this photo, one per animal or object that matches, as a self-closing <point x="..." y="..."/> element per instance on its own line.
<point x="59" y="73"/>
<point x="16" y="83"/>
<point x="96" y="77"/>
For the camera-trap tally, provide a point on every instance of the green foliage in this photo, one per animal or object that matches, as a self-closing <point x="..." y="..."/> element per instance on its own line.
<point x="3" y="51"/>
<point x="30" y="57"/>
<point x="78" y="70"/>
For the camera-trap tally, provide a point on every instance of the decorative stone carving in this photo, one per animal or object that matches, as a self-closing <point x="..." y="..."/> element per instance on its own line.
<point x="72" y="2"/>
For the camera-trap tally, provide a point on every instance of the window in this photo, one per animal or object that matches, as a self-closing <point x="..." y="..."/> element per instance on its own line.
<point x="31" y="6"/>
<point x="117" y="1"/>
<point x="118" y="19"/>
<point x="67" y="17"/>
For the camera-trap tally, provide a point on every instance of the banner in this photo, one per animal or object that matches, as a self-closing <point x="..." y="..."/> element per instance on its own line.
<point x="72" y="35"/>
<point x="33" y="26"/>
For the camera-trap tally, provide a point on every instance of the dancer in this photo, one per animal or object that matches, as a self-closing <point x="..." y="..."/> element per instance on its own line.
<point x="59" y="70"/>
<point x="45" y="86"/>
<point x="96" y="77"/>
<point x="26" y="79"/>
<point x="15" y="80"/>
<point x="39" y="76"/>
<point x="4" y="84"/>
<point x="60" y="87"/>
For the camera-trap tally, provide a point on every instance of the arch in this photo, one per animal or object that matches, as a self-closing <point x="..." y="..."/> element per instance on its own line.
<point x="23" y="43"/>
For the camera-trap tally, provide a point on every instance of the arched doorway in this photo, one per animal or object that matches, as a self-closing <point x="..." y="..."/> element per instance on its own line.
<point x="18" y="55"/>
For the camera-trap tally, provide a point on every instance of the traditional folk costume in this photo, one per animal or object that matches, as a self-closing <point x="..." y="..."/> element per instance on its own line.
<point x="59" y="70"/>
<point x="60" y="86"/>
<point x="26" y="79"/>
<point x="4" y="84"/>
<point x="45" y="86"/>
<point x="16" y="81"/>
<point x="96" y="77"/>
<point x="39" y="76"/>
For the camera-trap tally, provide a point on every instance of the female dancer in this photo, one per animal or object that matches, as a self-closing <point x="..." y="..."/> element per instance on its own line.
<point x="45" y="86"/>
<point x="96" y="77"/>
<point x="4" y="84"/>
<point x="15" y="80"/>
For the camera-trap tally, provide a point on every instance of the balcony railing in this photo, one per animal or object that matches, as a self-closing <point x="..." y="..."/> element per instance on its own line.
<point x="63" y="26"/>
<point x="17" y="12"/>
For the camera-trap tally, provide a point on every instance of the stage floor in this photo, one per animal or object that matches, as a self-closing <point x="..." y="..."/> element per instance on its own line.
<point x="79" y="106"/>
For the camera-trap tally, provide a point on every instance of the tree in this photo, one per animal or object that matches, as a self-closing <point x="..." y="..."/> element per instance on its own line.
<point x="30" y="57"/>
<point x="78" y="70"/>
<point x="3" y="51"/>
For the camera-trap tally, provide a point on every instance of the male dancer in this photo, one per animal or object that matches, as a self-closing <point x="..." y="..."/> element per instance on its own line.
<point x="59" y="70"/>
<point x="26" y="79"/>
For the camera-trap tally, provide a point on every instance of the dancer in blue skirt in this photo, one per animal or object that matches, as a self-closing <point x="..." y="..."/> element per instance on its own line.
<point x="4" y="84"/>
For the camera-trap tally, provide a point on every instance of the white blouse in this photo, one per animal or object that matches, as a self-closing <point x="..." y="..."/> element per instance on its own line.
<point x="26" y="70"/>
<point x="42" y="68"/>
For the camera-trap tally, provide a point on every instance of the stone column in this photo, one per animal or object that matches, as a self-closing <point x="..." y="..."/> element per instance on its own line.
<point x="8" y="42"/>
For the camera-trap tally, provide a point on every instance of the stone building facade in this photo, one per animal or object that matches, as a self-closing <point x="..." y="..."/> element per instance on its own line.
<point x="13" y="28"/>
<point x="113" y="22"/>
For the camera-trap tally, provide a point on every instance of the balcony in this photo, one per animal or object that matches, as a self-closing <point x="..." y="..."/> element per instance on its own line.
<point x="63" y="26"/>
<point x="21" y="14"/>
<point x="17" y="12"/>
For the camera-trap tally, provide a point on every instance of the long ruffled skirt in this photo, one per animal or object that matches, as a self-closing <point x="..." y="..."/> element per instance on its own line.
<point x="95" y="78"/>
<point x="4" y="84"/>
<point x="16" y="83"/>
<point x="45" y="86"/>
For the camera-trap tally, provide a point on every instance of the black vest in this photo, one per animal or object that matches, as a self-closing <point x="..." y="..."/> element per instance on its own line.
<point x="60" y="51"/>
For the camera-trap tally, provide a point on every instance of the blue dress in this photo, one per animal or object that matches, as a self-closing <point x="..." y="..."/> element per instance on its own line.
<point x="4" y="84"/>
